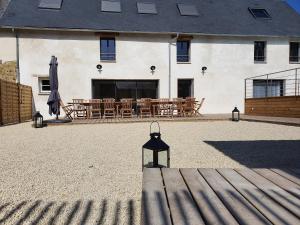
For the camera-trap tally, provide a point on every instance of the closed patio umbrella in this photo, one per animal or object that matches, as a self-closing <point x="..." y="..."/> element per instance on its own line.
<point x="54" y="98"/>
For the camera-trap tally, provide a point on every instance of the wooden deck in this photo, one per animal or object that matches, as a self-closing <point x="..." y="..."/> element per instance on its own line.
<point x="220" y="196"/>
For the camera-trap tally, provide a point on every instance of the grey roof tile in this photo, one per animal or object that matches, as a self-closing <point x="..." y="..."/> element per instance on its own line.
<point x="216" y="17"/>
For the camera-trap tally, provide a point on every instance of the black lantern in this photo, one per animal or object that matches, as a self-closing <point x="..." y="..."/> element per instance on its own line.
<point x="38" y="120"/>
<point x="235" y="114"/>
<point x="156" y="153"/>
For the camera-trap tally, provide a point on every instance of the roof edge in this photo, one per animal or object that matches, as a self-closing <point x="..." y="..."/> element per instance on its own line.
<point x="143" y="32"/>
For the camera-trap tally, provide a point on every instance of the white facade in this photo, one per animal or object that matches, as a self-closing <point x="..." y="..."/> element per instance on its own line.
<point x="228" y="60"/>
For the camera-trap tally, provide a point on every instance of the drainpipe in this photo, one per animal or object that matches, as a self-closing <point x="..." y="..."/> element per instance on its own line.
<point x="17" y="55"/>
<point x="170" y="62"/>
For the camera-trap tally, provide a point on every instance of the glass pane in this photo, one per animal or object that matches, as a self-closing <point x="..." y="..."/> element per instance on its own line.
<point x="149" y="159"/>
<point x="107" y="48"/>
<point x="259" y="51"/>
<point x="126" y="89"/>
<point x="184" y="88"/>
<point x="147" y="89"/>
<point x="183" y="51"/>
<point x="103" y="89"/>
<point x="271" y="88"/>
<point x="294" y="52"/>
<point x="163" y="159"/>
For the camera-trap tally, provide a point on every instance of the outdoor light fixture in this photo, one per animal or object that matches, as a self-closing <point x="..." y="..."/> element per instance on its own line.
<point x="155" y="152"/>
<point x="38" y="120"/>
<point x="235" y="114"/>
<point x="99" y="67"/>
<point x="204" y="68"/>
<point x="152" y="68"/>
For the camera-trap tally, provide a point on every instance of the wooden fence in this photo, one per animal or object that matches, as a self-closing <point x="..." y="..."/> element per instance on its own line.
<point x="15" y="103"/>
<point x="285" y="106"/>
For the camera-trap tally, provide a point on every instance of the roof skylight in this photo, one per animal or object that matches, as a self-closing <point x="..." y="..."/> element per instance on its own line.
<point x="146" y="8"/>
<point x="110" y="6"/>
<point x="187" y="9"/>
<point x="260" y="13"/>
<point x="50" y="4"/>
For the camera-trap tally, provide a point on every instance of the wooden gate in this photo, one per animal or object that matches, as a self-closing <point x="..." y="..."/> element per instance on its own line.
<point x="15" y="103"/>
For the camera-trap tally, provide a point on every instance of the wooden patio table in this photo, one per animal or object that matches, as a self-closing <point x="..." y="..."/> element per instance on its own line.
<point x="220" y="196"/>
<point x="154" y="105"/>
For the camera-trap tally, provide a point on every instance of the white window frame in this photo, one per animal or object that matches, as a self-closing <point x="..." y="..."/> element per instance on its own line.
<point x="40" y="80"/>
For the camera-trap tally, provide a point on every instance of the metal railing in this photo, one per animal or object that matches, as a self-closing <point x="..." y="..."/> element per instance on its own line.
<point x="282" y="83"/>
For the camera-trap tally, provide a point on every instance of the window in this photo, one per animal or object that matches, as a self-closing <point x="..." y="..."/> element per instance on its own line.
<point x="108" y="49"/>
<point x="184" y="88"/>
<point x="268" y="88"/>
<point x="146" y="8"/>
<point x="294" y="52"/>
<point x="183" y="51"/>
<point x="111" y="6"/>
<point x="260" y="13"/>
<point x="259" y="51"/>
<point x="187" y="10"/>
<point x="50" y="4"/>
<point x="44" y="85"/>
<point x="124" y="89"/>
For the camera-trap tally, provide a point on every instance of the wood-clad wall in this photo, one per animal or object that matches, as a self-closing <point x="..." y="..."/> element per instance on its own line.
<point x="15" y="103"/>
<point x="286" y="106"/>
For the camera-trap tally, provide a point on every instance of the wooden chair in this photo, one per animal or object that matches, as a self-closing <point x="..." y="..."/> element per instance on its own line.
<point x="95" y="108"/>
<point x="189" y="106"/>
<point x="126" y="108"/>
<point x="109" y="110"/>
<point x="145" y="107"/>
<point x="80" y="111"/>
<point x="68" y="109"/>
<point x="177" y="107"/>
<point x="198" y="107"/>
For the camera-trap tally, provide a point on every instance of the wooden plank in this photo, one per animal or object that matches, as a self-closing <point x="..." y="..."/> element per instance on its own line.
<point x="276" y="193"/>
<point x="238" y="206"/>
<point x="277" y="214"/>
<point x="155" y="209"/>
<point x="280" y="181"/>
<point x="290" y="175"/>
<point x="211" y="207"/>
<point x="182" y="206"/>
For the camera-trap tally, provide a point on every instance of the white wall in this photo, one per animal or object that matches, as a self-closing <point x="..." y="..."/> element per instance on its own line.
<point x="229" y="60"/>
<point x="7" y="46"/>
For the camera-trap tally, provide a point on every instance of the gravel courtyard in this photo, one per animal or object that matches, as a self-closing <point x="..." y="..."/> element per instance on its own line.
<point x="91" y="174"/>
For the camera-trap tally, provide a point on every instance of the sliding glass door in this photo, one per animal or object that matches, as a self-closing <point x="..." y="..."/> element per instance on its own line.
<point x="124" y="89"/>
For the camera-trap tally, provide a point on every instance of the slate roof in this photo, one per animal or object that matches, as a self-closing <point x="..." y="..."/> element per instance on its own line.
<point x="216" y="17"/>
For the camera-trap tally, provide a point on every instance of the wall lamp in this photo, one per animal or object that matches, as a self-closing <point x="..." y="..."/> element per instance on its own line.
<point x="152" y="68"/>
<point x="204" y="68"/>
<point x="99" y="67"/>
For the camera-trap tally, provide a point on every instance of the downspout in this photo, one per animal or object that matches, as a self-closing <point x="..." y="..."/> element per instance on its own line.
<point x="17" y="55"/>
<point x="170" y="63"/>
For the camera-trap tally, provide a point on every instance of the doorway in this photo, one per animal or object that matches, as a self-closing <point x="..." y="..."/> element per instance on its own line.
<point x="185" y="88"/>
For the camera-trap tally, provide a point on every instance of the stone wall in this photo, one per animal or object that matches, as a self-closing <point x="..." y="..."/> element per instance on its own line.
<point x="8" y="71"/>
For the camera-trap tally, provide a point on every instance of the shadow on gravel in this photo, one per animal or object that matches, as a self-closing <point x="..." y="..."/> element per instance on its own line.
<point x="261" y="153"/>
<point x="53" y="213"/>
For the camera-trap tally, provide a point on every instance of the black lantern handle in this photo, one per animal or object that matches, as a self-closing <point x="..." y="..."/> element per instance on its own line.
<point x="157" y="125"/>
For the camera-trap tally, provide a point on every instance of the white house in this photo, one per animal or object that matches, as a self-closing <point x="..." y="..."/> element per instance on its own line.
<point x="178" y="39"/>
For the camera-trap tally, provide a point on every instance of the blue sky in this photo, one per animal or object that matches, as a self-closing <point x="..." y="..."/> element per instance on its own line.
<point x="295" y="4"/>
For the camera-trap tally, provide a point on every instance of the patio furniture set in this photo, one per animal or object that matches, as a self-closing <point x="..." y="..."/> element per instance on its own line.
<point x="129" y="108"/>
